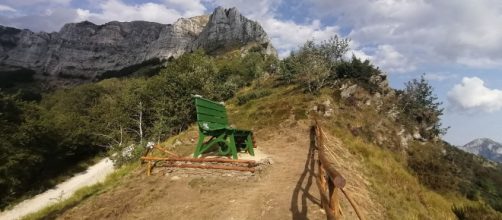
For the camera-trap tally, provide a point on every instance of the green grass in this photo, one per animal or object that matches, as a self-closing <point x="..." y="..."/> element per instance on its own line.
<point x="112" y="180"/>
<point x="397" y="190"/>
<point x="385" y="163"/>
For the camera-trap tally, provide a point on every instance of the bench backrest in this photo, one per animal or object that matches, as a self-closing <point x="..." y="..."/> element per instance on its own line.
<point x="210" y="114"/>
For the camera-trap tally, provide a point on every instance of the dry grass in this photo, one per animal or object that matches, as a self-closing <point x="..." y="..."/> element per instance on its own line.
<point x="376" y="173"/>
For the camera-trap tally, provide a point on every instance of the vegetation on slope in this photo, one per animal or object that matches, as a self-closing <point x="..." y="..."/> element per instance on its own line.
<point x="41" y="140"/>
<point x="396" y="134"/>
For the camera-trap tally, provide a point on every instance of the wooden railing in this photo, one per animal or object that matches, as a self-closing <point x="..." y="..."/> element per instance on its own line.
<point x="330" y="182"/>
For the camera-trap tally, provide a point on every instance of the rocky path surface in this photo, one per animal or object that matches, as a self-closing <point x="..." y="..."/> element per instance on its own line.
<point x="92" y="175"/>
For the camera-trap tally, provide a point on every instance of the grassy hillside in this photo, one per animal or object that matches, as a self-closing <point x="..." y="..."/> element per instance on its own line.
<point x="411" y="179"/>
<point x="392" y="136"/>
<point x="416" y="180"/>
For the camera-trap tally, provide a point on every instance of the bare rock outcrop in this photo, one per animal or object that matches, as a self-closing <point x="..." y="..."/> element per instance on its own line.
<point x="86" y="51"/>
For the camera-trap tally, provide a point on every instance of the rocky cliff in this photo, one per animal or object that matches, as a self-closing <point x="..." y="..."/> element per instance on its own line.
<point x="86" y="51"/>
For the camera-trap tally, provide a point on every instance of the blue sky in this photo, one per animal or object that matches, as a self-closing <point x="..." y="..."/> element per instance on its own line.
<point x="456" y="43"/>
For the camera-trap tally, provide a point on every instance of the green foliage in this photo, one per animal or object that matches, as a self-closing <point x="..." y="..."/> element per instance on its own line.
<point x="476" y="212"/>
<point x="362" y="71"/>
<point x="433" y="168"/>
<point x="419" y="105"/>
<point x="41" y="140"/>
<point x="243" y="99"/>
<point x="308" y="66"/>
<point x="447" y="169"/>
<point x="315" y="66"/>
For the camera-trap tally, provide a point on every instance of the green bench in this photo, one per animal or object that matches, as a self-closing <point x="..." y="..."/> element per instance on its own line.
<point x="212" y="121"/>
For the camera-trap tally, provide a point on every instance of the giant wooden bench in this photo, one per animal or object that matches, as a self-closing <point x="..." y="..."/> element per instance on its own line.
<point x="212" y="121"/>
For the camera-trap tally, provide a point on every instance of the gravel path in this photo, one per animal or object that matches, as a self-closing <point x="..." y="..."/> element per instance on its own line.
<point x="94" y="174"/>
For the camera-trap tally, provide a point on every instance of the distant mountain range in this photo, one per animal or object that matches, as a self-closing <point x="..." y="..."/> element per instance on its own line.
<point x="486" y="148"/>
<point x="86" y="51"/>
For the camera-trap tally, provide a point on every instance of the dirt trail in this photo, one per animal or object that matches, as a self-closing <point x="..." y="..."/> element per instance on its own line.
<point x="284" y="190"/>
<point x="92" y="175"/>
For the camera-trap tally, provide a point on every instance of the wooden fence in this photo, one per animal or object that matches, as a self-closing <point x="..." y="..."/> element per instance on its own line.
<point x="330" y="182"/>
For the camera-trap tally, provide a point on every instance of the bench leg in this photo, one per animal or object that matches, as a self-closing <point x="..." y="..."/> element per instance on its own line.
<point x="200" y="143"/>
<point x="232" y="146"/>
<point x="249" y="144"/>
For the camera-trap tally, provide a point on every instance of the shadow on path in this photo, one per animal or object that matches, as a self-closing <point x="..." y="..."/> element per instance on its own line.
<point x="301" y="194"/>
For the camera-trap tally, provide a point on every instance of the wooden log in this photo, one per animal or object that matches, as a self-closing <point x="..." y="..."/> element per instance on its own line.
<point x="322" y="180"/>
<point x="334" y="202"/>
<point x="353" y="204"/>
<point x="221" y="160"/>
<point x="149" y="168"/>
<point x="252" y="170"/>
<point x="165" y="151"/>
<point x="337" y="178"/>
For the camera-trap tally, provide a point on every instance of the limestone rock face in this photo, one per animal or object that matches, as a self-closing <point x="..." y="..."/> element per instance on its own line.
<point x="86" y="51"/>
<point x="228" y="28"/>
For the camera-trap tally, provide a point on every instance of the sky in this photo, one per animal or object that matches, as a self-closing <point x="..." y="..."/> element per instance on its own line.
<point x="457" y="44"/>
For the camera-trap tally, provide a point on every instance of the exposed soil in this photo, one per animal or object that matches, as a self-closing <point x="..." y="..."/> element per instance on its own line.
<point x="286" y="189"/>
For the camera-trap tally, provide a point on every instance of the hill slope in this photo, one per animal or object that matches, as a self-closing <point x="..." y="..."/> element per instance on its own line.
<point x="285" y="189"/>
<point x="386" y="181"/>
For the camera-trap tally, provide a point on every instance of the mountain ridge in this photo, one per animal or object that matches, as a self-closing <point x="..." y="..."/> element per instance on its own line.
<point x="484" y="147"/>
<point x="85" y="51"/>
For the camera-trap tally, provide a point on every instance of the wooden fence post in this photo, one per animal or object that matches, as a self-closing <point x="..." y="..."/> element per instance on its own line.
<point x="334" y="203"/>
<point x="149" y="168"/>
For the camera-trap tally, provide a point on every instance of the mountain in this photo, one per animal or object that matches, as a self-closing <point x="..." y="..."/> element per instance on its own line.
<point x="486" y="148"/>
<point x="86" y="51"/>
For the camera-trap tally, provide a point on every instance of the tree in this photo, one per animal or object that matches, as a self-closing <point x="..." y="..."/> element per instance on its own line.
<point x="334" y="48"/>
<point x="420" y="105"/>
<point x="314" y="65"/>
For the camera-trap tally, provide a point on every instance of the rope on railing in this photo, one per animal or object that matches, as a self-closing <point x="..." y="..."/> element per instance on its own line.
<point x="329" y="180"/>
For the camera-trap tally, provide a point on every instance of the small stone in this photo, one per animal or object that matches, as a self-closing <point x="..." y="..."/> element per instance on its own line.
<point x="175" y="178"/>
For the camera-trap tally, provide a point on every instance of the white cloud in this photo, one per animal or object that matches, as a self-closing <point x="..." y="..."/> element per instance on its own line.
<point x="116" y="10"/>
<point x="389" y="59"/>
<point x="51" y="20"/>
<point x="7" y="8"/>
<point x="36" y="2"/>
<point x="188" y="8"/>
<point x="464" y="32"/>
<point x="288" y="35"/>
<point x="473" y="95"/>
